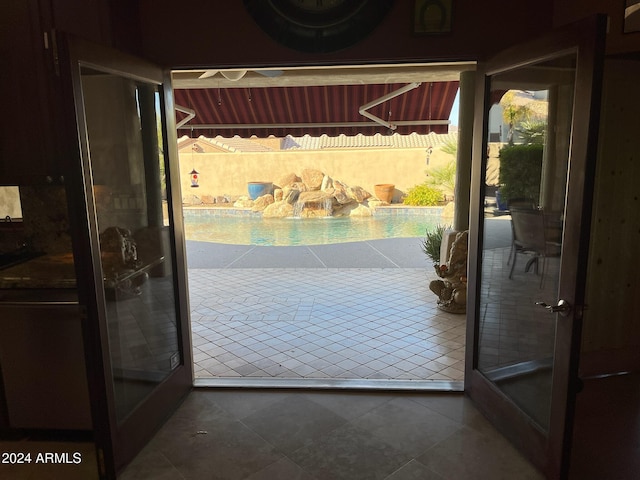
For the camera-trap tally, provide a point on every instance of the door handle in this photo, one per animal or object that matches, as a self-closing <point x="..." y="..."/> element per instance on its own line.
<point x="563" y="307"/>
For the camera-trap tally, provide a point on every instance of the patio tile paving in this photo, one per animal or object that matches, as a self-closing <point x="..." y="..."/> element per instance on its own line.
<point x="338" y="323"/>
<point x="358" y="311"/>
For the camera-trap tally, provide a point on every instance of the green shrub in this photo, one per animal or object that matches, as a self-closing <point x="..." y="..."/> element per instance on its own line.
<point x="432" y="242"/>
<point x="520" y="170"/>
<point x="532" y="132"/>
<point x="450" y="147"/>
<point x="423" y="195"/>
<point x="443" y="177"/>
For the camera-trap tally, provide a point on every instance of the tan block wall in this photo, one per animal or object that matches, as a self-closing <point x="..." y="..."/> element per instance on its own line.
<point x="228" y="173"/>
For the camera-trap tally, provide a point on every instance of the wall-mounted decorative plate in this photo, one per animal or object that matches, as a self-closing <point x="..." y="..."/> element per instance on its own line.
<point x="318" y="26"/>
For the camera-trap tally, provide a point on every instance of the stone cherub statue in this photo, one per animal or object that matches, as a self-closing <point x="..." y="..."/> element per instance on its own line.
<point x="452" y="289"/>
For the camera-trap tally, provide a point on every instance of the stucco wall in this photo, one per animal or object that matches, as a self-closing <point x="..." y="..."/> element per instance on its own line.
<point x="228" y="173"/>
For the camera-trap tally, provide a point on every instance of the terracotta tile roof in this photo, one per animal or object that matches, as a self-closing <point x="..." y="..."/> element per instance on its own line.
<point x="413" y="140"/>
<point x="199" y="145"/>
<point x="221" y="144"/>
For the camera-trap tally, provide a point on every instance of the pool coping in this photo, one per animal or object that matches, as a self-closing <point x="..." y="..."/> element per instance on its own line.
<point x="370" y="254"/>
<point x="402" y="252"/>
<point x="383" y="210"/>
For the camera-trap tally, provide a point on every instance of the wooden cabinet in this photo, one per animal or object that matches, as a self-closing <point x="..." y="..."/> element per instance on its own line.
<point x="43" y="367"/>
<point x="32" y="150"/>
<point x="26" y="138"/>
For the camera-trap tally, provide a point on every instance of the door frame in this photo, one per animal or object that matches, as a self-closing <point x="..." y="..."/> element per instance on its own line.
<point x="117" y="444"/>
<point x="548" y="452"/>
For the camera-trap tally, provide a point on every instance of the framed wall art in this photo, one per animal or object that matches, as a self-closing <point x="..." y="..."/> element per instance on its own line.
<point x="432" y="16"/>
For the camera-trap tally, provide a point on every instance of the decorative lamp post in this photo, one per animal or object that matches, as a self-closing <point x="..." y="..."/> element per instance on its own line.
<point x="194" y="173"/>
<point x="194" y="178"/>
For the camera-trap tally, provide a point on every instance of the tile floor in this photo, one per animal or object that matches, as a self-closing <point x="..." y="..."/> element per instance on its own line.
<point x="320" y="323"/>
<point x="359" y="310"/>
<point x="279" y="434"/>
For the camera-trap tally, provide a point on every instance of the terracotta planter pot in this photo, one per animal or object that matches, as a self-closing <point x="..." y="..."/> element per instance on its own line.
<point x="384" y="191"/>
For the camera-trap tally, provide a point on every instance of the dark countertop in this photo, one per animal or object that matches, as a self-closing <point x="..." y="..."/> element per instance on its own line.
<point x="46" y="271"/>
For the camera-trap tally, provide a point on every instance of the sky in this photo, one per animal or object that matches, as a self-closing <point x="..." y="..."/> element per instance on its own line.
<point x="453" y="118"/>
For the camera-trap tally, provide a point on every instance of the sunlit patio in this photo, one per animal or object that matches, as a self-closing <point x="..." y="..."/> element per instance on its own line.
<point x="353" y="311"/>
<point x="347" y="323"/>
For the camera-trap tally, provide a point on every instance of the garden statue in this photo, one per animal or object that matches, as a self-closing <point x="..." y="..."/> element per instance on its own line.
<point x="452" y="289"/>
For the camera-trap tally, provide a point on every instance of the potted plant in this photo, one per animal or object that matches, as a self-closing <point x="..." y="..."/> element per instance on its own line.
<point x="432" y="242"/>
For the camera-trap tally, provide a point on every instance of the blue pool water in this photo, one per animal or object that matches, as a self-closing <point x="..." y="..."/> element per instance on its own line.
<point x="254" y="230"/>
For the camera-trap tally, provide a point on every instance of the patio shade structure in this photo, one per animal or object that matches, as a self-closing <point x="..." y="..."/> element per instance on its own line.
<point x="314" y="110"/>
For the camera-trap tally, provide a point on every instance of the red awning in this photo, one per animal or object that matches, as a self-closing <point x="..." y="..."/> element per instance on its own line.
<point x="314" y="110"/>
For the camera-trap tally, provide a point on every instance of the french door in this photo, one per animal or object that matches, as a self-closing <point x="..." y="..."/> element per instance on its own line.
<point x="536" y="120"/>
<point x="128" y="244"/>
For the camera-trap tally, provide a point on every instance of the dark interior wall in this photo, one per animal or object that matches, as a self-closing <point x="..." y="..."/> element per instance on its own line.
<point x="87" y="19"/>
<point x="124" y="25"/>
<point x="618" y="42"/>
<point x="193" y="33"/>
<point x="109" y="22"/>
<point x="30" y="73"/>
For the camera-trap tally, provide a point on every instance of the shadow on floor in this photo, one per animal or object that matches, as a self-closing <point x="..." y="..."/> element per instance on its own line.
<point x="273" y="435"/>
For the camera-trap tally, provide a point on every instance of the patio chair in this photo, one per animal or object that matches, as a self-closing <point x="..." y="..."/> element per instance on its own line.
<point x="520" y="204"/>
<point x="530" y="236"/>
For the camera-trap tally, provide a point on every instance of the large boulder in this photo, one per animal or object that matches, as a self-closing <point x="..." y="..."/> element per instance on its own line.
<point x="287" y="180"/>
<point x="340" y="193"/>
<point x="260" y="203"/>
<point x="243" y="202"/>
<point x="315" y="196"/>
<point x="327" y="183"/>
<point x="352" y="210"/>
<point x="280" y="209"/>
<point x="291" y="192"/>
<point x="314" y="204"/>
<point x="360" y="211"/>
<point x="358" y="194"/>
<point x="312" y="178"/>
<point x="373" y="203"/>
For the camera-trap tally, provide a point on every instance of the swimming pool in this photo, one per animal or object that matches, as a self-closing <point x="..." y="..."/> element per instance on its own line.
<point x="248" y="228"/>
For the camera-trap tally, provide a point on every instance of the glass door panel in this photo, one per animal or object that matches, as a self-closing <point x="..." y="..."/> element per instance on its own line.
<point x="128" y="244"/>
<point x="516" y="333"/>
<point x="125" y="139"/>
<point x="536" y="122"/>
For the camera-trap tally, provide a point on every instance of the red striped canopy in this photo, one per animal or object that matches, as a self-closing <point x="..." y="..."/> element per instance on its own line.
<point x="313" y="110"/>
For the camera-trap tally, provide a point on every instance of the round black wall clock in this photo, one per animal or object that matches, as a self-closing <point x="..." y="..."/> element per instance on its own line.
<point x="318" y="26"/>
